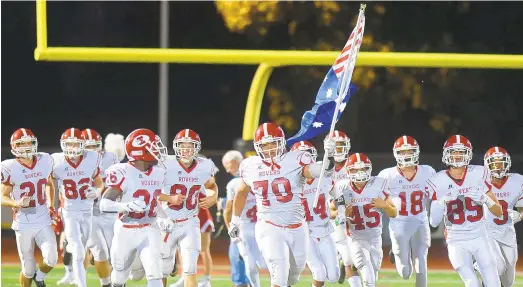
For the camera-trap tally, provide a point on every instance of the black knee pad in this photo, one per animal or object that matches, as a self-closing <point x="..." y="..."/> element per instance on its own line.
<point x="67" y="256"/>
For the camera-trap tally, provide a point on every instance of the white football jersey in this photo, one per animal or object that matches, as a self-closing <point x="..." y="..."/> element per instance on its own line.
<point x="509" y="195"/>
<point x="189" y="182"/>
<point x="249" y="211"/>
<point x="137" y="185"/>
<point x="277" y="187"/>
<point x="339" y="174"/>
<point x="108" y="159"/>
<point x="464" y="219"/>
<point x="318" y="216"/>
<point x="367" y="221"/>
<point x="29" y="181"/>
<point x="74" y="179"/>
<point x="410" y="191"/>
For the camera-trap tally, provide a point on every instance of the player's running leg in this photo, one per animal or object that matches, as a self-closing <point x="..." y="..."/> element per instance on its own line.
<point x="419" y="244"/>
<point x="46" y="241"/>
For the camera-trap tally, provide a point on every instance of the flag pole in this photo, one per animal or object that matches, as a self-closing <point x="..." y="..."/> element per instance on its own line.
<point x="345" y="83"/>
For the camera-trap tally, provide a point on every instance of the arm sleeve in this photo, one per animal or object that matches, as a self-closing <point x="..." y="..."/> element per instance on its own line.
<point x="519" y="202"/>
<point x="385" y="190"/>
<point x="437" y="209"/>
<point x="231" y="188"/>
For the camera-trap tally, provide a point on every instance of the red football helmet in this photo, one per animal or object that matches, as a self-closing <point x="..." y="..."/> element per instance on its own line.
<point x="93" y="140"/>
<point x="24" y="143"/>
<point x="186" y="145"/>
<point x="145" y="145"/>
<point x="306" y="146"/>
<point x="359" y="167"/>
<point x="457" y="151"/>
<point x="269" y="142"/>
<point x="497" y="161"/>
<point x="72" y="142"/>
<point x="406" y="151"/>
<point x="342" y="145"/>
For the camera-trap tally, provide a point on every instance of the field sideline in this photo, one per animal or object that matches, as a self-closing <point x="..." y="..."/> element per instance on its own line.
<point x="387" y="278"/>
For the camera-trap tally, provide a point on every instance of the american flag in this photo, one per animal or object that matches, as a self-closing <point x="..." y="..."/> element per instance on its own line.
<point x="348" y="53"/>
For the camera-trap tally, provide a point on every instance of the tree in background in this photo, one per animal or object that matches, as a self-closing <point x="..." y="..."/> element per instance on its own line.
<point x="428" y="103"/>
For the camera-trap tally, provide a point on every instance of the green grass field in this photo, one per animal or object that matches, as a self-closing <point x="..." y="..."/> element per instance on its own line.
<point x="387" y="278"/>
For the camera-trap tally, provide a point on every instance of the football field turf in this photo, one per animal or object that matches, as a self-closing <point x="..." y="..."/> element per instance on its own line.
<point x="387" y="278"/>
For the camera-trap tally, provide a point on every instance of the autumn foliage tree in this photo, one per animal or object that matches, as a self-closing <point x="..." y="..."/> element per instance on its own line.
<point x="390" y="101"/>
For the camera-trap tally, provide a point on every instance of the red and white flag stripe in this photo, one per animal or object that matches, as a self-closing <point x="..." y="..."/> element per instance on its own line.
<point x="349" y="52"/>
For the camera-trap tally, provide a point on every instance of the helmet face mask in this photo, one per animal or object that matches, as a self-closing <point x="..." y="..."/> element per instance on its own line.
<point x="93" y="140"/>
<point x="343" y="146"/>
<point x="186" y="145"/>
<point x="25" y="148"/>
<point x="72" y="147"/>
<point x="186" y="150"/>
<point x="342" y="150"/>
<point x="270" y="149"/>
<point x="93" y="146"/>
<point x="359" y="168"/>
<point x="24" y="143"/>
<point x="457" y="156"/>
<point x="359" y="172"/>
<point x="158" y="150"/>
<point x="269" y="142"/>
<point x="498" y="162"/>
<point x="145" y="145"/>
<point x="407" y="156"/>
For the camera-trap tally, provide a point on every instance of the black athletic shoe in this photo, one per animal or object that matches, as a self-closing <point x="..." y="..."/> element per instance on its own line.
<point x="341" y="279"/>
<point x="38" y="283"/>
<point x="392" y="259"/>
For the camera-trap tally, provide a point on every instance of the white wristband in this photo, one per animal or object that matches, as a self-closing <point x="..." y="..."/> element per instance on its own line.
<point x="489" y="202"/>
<point x="107" y="205"/>
<point x="235" y="220"/>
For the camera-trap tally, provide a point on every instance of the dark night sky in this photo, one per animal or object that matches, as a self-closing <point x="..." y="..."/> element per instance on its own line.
<point x="50" y="97"/>
<point x="118" y="97"/>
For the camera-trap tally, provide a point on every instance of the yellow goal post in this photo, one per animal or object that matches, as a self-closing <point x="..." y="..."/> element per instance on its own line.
<point x="266" y="59"/>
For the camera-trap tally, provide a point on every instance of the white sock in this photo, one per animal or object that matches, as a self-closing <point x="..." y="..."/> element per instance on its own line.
<point x="206" y="278"/>
<point x="354" y="281"/>
<point x="105" y="281"/>
<point x="40" y="276"/>
<point x="421" y="280"/>
<point x="155" y="283"/>
<point x="79" y="273"/>
<point x="68" y="270"/>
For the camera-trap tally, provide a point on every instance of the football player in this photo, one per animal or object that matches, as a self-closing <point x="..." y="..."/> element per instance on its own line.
<point x="188" y="175"/>
<point x="275" y="177"/>
<point x="367" y="198"/>
<point x="458" y="195"/>
<point x="409" y="231"/>
<point x="137" y="185"/>
<point x="78" y="177"/>
<point x="27" y="188"/>
<point x="103" y="223"/>
<point x="322" y="259"/>
<point x="508" y="189"/>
